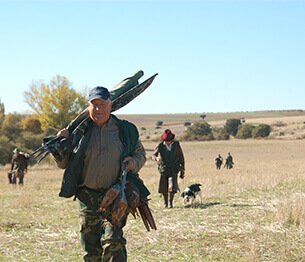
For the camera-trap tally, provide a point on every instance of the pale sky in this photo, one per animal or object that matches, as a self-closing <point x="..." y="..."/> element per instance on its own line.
<point x="211" y="56"/>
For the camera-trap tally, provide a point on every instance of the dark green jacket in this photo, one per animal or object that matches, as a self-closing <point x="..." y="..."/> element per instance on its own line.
<point x="75" y="159"/>
<point x="171" y="161"/>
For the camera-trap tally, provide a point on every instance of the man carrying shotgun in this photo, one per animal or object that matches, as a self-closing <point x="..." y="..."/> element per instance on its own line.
<point x="106" y="147"/>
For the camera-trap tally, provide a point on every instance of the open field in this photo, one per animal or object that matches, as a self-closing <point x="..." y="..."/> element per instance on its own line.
<point x="255" y="212"/>
<point x="285" y="124"/>
<point x="149" y="120"/>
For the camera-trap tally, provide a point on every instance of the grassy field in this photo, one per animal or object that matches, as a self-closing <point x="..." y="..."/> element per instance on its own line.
<point x="255" y="212"/>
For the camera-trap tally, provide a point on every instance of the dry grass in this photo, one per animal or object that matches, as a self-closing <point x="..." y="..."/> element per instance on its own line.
<point x="255" y="212"/>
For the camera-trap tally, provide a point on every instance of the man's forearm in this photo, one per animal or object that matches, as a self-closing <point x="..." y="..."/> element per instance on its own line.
<point x="139" y="156"/>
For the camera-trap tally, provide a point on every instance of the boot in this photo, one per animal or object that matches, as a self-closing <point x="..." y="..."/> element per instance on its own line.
<point x="171" y="198"/>
<point x="165" y="197"/>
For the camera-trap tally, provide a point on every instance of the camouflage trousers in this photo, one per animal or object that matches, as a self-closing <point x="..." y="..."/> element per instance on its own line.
<point x="100" y="240"/>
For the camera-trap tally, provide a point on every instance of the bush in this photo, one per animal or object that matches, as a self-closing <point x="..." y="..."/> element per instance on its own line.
<point x="11" y="126"/>
<point x="261" y="130"/>
<point x="50" y="131"/>
<point x="231" y="126"/>
<point x="220" y="134"/>
<point x="30" y="142"/>
<point x="6" y="150"/>
<point x="199" y="128"/>
<point x="201" y="131"/>
<point x="203" y="116"/>
<point x="31" y="124"/>
<point x="159" y="123"/>
<point x="245" y="131"/>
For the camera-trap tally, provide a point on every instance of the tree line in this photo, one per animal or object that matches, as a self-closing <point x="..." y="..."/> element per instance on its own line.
<point x="238" y="128"/>
<point x="54" y="105"/>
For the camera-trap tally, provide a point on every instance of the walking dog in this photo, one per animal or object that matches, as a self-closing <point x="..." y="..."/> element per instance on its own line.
<point x="190" y="194"/>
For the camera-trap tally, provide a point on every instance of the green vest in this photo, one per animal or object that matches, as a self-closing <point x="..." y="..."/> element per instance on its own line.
<point x="170" y="159"/>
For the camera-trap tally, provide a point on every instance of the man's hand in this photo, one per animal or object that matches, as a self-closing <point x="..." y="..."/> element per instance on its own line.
<point x="63" y="133"/>
<point x="156" y="158"/>
<point x="181" y="174"/>
<point x="130" y="163"/>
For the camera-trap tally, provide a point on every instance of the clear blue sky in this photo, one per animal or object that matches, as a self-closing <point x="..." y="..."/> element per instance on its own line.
<point x="211" y="56"/>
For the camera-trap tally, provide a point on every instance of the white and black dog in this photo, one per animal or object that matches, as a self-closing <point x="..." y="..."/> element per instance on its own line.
<point x="190" y="194"/>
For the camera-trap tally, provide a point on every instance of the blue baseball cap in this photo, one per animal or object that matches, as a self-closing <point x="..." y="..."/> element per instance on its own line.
<point x="98" y="92"/>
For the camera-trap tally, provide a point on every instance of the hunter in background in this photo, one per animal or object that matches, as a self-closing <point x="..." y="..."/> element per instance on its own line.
<point x="218" y="161"/>
<point x="170" y="159"/>
<point x="19" y="165"/>
<point x="229" y="161"/>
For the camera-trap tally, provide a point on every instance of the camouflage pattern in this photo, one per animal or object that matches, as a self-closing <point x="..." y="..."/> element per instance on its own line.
<point x="100" y="239"/>
<point x="126" y="84"/>
<point x="121" y="95"/>
<point x="132" y="93"/>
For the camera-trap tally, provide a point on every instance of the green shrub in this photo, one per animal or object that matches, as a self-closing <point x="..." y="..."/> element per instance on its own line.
<point x="199" y="128"/>
<point x="159" y="123"/>
<point x="220" y="134"/>
<point x="200" y="131"/>
<point x="231" y="126"/>
<point x="262" y="130"/>
<point x="6" y="150"/>
<point x="11" y="126"/>
<point x="203" y="116"/>
<point x="50" y="131"/>
<point x="31" y="124"/>
<point x="245" y="131"/>
<point x="30" y="142"/>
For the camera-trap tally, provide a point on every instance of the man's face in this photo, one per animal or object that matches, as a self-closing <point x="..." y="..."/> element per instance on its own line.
<point x="99" y="110"/>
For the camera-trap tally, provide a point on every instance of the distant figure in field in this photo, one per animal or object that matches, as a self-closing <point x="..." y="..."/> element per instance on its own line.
<point x="229" y="161"/>
<point x="218" y="161"/>
<point x="19" y="165"/>
<point x="170" y="160"/>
